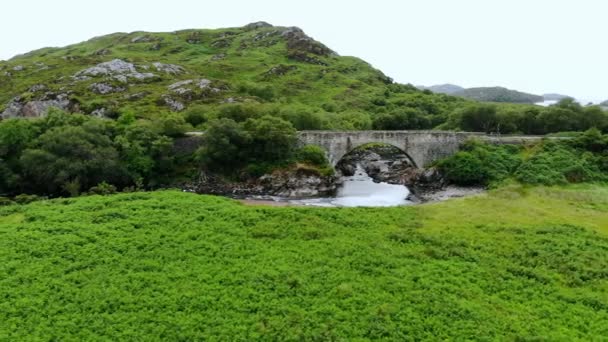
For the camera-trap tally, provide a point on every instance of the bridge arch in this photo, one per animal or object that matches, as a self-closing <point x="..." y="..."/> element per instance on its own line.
<point x="423" y="147"/>
<point x="355" y="147"/>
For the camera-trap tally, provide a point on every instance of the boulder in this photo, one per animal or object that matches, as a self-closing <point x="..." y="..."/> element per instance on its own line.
<point x="116" y="68"/>
<point x="104" y="88"/>
<point x="256" y="25"/>
<point x="33" y="109"/>
<point x="37" y="87"/>
<point x="174" y="105"/>
<point x="171" y="69"/>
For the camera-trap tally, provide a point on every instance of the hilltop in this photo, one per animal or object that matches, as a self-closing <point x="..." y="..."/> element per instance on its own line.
<point x="491" y="94"/>
<point x="152" y="73"/>
<point x="556" y="97"/>
<point x="498" y="94"/>
<point x="444" y="88"/>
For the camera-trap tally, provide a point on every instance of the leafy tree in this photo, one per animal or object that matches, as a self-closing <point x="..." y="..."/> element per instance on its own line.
<point x="195" y="115"/>
<point x="272" y="138"/>
<point x="143" y="151"/>
<point x="224" y="146"/>
<point x="71" y="154"/>
<point x="173" y="125"/>
<point x="478" y="118"/>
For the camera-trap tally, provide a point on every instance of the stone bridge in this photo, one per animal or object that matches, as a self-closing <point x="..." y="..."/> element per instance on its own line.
<point x="423" y="147"/>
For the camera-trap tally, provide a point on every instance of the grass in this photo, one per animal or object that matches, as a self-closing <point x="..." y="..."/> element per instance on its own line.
<point x="514" y="264"/>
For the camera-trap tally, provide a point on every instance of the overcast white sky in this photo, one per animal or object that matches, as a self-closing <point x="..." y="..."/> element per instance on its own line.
<point x="537" y="46"/>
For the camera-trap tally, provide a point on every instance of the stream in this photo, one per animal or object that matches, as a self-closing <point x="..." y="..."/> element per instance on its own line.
<point x="358" y="190"/>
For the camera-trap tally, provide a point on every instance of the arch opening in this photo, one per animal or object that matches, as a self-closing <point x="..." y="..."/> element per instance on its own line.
<point x="383" y="162"/>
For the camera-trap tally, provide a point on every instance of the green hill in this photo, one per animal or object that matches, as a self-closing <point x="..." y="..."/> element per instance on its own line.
<point x="150" y="73"/>
<point x="498" y="94"/>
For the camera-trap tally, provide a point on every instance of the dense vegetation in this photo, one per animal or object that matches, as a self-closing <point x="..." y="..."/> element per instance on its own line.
<point x="248" y="72"/>
<point x="580" y="158"/>
<point x="522" y="264"/>
<point x="69" y="154"/>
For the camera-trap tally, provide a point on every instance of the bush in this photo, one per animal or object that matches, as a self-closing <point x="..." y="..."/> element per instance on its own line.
<point x="103" y="189"/>
<point x="556" y="163"/>
<point x="5" y="201"/>
<point x="313" y="155"/>
<point x="26" y="199"/>
<point x="173" y="125"/>
<point x="480" y="164"/>
<point x="195" y="115"/>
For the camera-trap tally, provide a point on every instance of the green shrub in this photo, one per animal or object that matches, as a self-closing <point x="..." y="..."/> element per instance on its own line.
<point x="480" y="164"/>
<point x="313" y="155"/>
<point x="103" y="188"/>
<point x="25" y="198"/>
<point x="5" y="201"/>
<point x="556" y="163"/>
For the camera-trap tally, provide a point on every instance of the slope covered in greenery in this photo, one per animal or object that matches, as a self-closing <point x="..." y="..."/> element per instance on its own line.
<point x="279" y="68"/>
<point x="521" y="264"/>
<point x="498" y="94"/>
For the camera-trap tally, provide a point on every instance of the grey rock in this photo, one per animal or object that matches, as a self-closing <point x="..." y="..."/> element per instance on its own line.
<point x="204" y="83"/>
<point x="13" y="108"/>
<point x="257" y="25"/>
<point x="117" y="68"/>
<point x="180" y="84"/>
<point x="103" y="52"/>
<point x="18" y="68"/>
<point x="168" y="68"/>
<point x="100" y="112"/>
<point x="218" y="57"/>
<point x="174" y="105"/>
<point x="136" y="96"/>
<point x="33" y="109"/>
<point x="142" y="39"/>
<point x="104" y="88"/>
<point x="37" y="87"/>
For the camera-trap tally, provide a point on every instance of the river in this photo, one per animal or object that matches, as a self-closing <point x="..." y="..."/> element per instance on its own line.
<point x="359" y="190"/>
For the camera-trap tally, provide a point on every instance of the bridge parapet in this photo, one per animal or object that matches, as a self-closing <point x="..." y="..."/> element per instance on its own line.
<point x="423" y="147"/>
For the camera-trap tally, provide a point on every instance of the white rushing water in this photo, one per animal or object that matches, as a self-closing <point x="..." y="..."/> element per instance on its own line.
<point x="360" y="190"/>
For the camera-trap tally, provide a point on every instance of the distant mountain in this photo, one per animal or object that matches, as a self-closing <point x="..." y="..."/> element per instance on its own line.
<point x="604" y="104"/>
<point x="556" y="97"/>
<point x="498" y="94"/>
<point x="444" y="88"/>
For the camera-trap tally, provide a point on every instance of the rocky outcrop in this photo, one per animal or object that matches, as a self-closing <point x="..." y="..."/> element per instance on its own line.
<point x="173" y="104"/>
<point x="32" y="109"/>
<point x="171" y="69"/>
<point x="116" y="69"/>
<point x="297" y="40"/>
<point x="256" y="25"/>
<point x="299" y="183"/>
<point x="104" y="88"/>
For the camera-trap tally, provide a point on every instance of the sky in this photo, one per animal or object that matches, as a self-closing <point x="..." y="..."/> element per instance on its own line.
<point x="537" y="46"/>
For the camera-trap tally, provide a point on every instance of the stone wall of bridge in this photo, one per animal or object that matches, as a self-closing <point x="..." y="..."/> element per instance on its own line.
<point x="423" y="147"/>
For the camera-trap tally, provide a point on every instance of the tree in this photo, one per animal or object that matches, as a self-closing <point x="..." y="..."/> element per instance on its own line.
<point x="478" y="118"/>
<point x="224" y="146"/>
<point x="143" y="151"/>
<point x="173" y="125"/>
<point x="272" y="138"/>
<point x="68" y="154"/>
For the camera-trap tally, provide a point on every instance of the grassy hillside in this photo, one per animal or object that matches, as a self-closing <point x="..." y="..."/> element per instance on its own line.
<point x="256" y="63"/>
<point x="515" y="264"/>
<point x="498" y="94"/>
